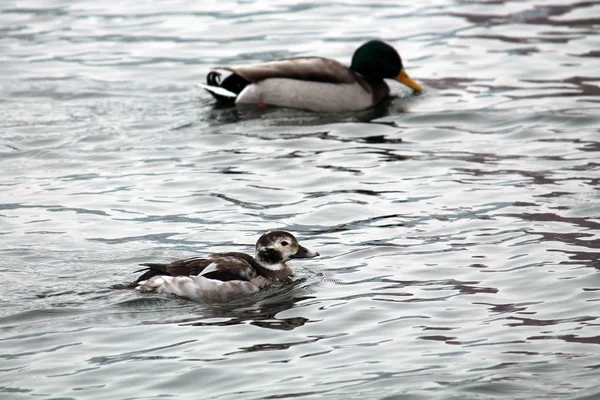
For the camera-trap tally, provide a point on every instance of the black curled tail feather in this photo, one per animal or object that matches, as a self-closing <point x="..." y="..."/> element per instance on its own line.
<point x="213" y="78"/>
<point x="152" y="269"/>
<point x="234" y="83"/>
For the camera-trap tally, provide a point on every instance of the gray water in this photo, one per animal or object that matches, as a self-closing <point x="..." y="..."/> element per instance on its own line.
<point x="458" y="230"/>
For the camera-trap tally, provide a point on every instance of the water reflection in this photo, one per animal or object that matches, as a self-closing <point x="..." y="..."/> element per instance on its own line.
<point x="535" y="15"/>
<point x="219" y="114"/>
<point x="259" y="310"/>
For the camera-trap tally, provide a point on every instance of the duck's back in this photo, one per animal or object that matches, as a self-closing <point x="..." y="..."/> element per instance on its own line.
<point x="223" y="266"/>
<point x="313" y="69"/>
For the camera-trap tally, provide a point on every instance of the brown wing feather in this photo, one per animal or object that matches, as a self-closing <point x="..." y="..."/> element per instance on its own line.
<point x="224" y="266"/>
<point x="229" y="267"/>
<point x="316" y="69"/>
<point x="189" y="266"/>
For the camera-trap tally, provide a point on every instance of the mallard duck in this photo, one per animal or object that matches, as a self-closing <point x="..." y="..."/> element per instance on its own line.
<point x="225" y="276"/>
<point x="314" y="83"/>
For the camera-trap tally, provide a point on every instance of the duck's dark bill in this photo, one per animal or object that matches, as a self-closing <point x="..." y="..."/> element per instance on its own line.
<point x="407" y="80"/>
<point x="303" y="252"/>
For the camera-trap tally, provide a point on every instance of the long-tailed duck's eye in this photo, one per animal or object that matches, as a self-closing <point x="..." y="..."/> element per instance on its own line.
<point x="284" y="243"/>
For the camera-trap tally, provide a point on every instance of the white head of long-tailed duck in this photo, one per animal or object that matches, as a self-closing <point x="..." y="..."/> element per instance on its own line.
<point x="225" y="276"/>
<point x="273" y="249"/>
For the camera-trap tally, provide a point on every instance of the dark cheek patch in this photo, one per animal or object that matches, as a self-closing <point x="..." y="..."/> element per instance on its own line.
<point x="270" y="256"/>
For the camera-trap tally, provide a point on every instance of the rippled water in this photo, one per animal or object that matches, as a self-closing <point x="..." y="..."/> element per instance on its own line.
<point x="459" y="230"/>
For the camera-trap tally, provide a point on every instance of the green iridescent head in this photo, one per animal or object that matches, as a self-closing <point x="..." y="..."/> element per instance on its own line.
<point x="377" y="60"/>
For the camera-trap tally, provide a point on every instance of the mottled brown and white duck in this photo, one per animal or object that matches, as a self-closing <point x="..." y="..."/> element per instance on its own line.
<point x="225" y="276"/>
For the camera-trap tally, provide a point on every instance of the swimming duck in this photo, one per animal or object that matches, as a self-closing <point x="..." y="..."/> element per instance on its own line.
<point x="314" y="83"/>
<point x="225" y="276"/>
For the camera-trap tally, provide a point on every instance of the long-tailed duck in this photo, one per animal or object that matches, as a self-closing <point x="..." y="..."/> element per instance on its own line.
<point x="225" y="276"/>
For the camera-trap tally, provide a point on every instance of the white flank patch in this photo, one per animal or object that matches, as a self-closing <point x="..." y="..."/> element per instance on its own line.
<point x="315" y="96"/>
<point x="212" y="267"/>
<point x="198" y="287"/>
<point x="218" y="90"/>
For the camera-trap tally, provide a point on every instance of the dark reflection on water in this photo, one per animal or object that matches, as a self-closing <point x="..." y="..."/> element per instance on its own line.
<point x="458" y="230"/>
<point x="536" y="15"/>
<point x="261" y="310"/>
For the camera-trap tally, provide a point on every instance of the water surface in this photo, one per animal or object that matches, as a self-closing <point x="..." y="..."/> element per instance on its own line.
<point x="458" y="230"/>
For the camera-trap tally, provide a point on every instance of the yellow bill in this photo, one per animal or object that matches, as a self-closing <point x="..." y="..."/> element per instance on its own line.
<point x="407" y="80"/>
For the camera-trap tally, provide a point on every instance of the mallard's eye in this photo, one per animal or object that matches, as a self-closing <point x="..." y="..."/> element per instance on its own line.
<point x="284" y="243"/>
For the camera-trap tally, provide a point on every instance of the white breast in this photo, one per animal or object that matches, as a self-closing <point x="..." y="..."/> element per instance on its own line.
<point x="315" y="96"/>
